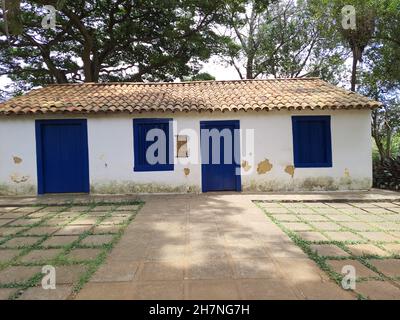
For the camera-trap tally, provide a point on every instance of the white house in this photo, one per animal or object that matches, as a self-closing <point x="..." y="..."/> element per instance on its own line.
<point x="272" y="135"/>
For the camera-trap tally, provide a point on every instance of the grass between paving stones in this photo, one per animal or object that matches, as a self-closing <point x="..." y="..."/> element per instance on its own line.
<point x="321" y="261"/>
<point x="61" y="259"/>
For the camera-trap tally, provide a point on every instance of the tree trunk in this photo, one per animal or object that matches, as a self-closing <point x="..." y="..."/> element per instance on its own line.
<point x="377" y="137"/>
<point x="354" y="70"/>
<point x="388" y="141"/>
<point x="250" y="67"/>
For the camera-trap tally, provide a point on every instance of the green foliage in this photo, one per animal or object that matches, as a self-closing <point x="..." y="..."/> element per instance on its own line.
<point x="286" y="39"/>
<point x="203" y="76"/>
<point x="387" y="173"/>
<point x="112" y="40"/>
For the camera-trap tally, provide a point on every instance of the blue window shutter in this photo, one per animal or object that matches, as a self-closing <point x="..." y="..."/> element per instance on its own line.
<point x="312" y="145"/>
<point x="140" y="129"/>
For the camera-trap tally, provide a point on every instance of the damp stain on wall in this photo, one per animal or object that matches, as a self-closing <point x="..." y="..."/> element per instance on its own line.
<point x="186" y="171"/>
<point x="320" y="183"/>
<point x="7" y="189"/>
<point x="264" y="167"/>
<point x="290" y="169"/>
<point x="346" y="179"/>
<point x="128" y="187"/>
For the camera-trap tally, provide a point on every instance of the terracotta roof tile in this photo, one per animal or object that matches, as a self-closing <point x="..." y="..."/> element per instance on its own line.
<point x="279" y="94"/>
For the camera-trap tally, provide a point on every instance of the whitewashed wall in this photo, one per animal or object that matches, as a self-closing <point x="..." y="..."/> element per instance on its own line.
<point x="111" y="154"/>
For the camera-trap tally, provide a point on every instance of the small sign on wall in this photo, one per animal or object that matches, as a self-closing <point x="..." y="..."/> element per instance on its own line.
<point x="182" y="146"/>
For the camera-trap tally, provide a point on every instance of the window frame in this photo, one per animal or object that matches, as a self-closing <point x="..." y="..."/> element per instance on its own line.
<point x="138" y="167"/>
<point x="297" y="146"/>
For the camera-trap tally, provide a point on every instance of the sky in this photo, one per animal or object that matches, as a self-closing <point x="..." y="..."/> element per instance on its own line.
<point x="220" y="72"/>
<point x="213" y="67"/>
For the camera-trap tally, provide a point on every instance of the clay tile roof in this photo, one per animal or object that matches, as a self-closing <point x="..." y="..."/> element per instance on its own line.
<point x="277" y="94"/>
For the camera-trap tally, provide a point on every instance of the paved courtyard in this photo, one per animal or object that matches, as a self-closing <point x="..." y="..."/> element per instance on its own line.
<point x="203" y="247"/>
<point x="73" y="239"/>
<point x="364" y="235"/>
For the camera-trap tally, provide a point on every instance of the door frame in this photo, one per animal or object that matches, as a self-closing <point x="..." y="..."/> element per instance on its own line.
<point x="39" y="150"/>
<point x="236" y="125"/>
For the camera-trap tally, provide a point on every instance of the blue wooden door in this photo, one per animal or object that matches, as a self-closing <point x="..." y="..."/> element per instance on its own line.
<point x="223" y="174"/>
<point x="62" y="156"/>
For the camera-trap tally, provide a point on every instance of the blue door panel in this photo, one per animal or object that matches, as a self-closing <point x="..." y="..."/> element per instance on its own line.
<point x="220" y="176"/>
<point x="62" y="152"/>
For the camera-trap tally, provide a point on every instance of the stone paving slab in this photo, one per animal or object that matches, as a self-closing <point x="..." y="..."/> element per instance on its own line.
<point x="389" y="267"/>
<point x="343" y="236"/>
<point x="393" y="248"/>
<point x="21" y="242"/>
<point x="69" y="274"/>
<point x="10" y="231"/>
<point x="55" y="241"/>
<point x="96" y="240"/>
<point x="116" y="272"/>
<point x="17" y="274"/>
<point x="24" y="222"/>
<point x="378" y="290"/>
<point x="328" y="250"/>
<point x="13" y="215"/>
<point x="84" y="254"/>
<point x="326" y="226"/>
<point x="366" y="249"/>
<point x="8" y="254"/>
<point x="37" y="256"/>
<point x="72" y="230"/>
<point x="378" y="236"/>
<point x="4" y="222"/>
<point x="41" y="231"/>
<point x="361" y="270"/>
<point x="106" y="229"/>
<point x="5" y="293"/>
<point x="62" y="292"/>
<point x="312" y="236"/>
<point x="107" y="291"/>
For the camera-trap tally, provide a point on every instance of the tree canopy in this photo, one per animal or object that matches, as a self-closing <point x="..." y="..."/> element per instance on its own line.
<point x="109" y="40"/>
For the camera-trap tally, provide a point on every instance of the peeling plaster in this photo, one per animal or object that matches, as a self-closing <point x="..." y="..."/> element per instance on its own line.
<point x="290" y="170"/>
<point x="264" y="167"/>
<point x="17" y="160"/>
<point x="17" y="178"/>
<point x="246" y="166"/>
<point x="186" y="171"/>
